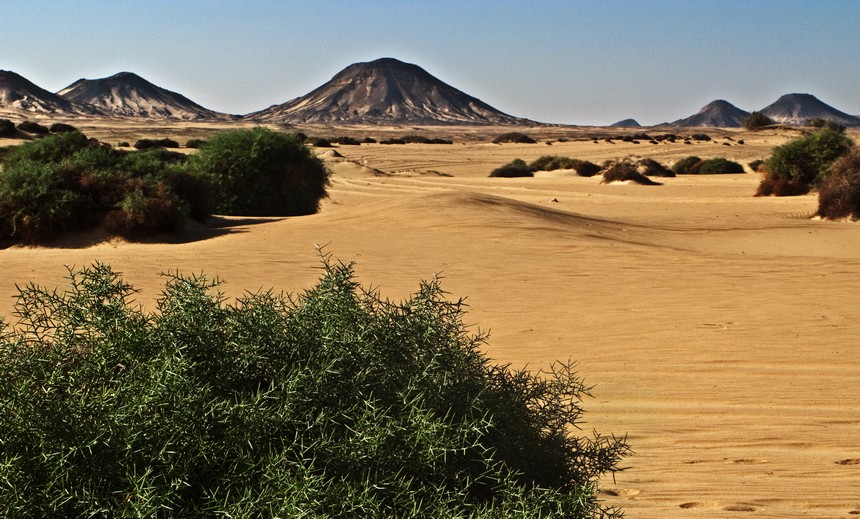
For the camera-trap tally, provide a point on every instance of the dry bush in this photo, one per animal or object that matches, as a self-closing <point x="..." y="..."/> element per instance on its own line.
<point x="622" y="171"/>
<point x="839" y="194"/>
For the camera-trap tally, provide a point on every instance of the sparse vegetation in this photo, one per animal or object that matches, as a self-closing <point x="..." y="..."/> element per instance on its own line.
<point x="515" y="168"/>
<point x="146" y="144"/>
<point x="802" y="164"/>
<point x="261" y="172"/>
<point x="839" y="193"/>
<point x="515" y="137"/>
<point x="332" y="403"/>
<point x="34" y="128"/>
<point x="756" y="120"/>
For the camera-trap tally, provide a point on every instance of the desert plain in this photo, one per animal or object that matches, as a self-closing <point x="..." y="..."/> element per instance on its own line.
<point x="721" y="331"/>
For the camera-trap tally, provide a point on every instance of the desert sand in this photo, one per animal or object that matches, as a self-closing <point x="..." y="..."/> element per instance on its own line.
<point x="720" y="331"/>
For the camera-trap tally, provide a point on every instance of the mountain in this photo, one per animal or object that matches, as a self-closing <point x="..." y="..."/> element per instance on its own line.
<point x="717" y="113"/>
<point x="20" y="94"/>
<point x="385" y="91"/>
<point x="129" y="95"/>
<point x="798" y="108"/>
<point x="626" y="123"/>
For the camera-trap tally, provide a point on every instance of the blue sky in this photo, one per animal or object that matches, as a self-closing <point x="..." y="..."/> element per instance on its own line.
<point x="573" y="62"/>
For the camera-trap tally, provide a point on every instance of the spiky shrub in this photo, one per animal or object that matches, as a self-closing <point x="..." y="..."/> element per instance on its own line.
<point x="802" y="164"/>
<point x="261" y="172"/>
<point x="515" y="168"/>
<point x="333" y="403"/>
<point x="839" y="193"/>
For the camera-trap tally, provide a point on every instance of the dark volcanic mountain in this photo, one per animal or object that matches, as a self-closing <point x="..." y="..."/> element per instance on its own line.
<point x="385" y="91"/>
<point x="127" y="94"/>
<point x="798" y="108"/>
<point x="626" y="123"/>
<point x="717" y="113"/>
<point x="18" y="93"/>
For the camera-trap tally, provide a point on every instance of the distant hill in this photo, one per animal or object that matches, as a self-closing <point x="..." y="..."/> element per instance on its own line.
<point x="129" y="95"/>
<point x="20" y="94"/>
<point x="385" y="91"/>
<point x="717" y="113"/>
<point x="626" y="123"/>
<point x="799" y="108"/>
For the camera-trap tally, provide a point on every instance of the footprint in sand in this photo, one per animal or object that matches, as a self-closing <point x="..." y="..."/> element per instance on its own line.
<point x="739" y="508"/>
<point x="614" y="492"/>
<point x="748" y="461"/>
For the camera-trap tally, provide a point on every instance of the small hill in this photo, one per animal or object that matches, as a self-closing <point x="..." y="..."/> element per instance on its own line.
<point x="719" y="113"/>
<point x="129" y="95"/>
<point x="626" y="123"/>
<point x="799" y="108"/>
<point x="386" y="91"/>
<point x="20" y="94"/>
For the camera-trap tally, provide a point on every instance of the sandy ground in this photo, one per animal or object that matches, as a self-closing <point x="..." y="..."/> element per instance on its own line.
<point x="720" y="330"/>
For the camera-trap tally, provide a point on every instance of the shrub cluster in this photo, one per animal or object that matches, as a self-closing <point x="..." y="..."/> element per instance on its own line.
<point x="839" y="193"/>
<point x="802" y="164"/>
<point x="818" y="122"/>
<point x="625" y="170"/>
<point x="261" y="172"/>
<point x="345" y="141"/>
<point x="33" y="127"/>
<point x="332" y="403"/>
<point x="515" y="168"/>
<point x="66" y="182"/>
<point x="515" y="137"/>
<point x="583" y="168"/>
<point x="693" y="165"/>
<point x="62" y="128"/>
<point x="146" y="144"/>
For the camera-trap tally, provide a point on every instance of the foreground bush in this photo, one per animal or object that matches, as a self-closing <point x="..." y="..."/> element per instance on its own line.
<point x="839" y="193"/>
<point x="515" y="168"/>
<point x="333" y="403"/>
<point x="802" y="164"/>
<point x="261" y="172"/>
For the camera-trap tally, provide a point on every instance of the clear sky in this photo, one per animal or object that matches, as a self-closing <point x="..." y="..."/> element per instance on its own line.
<point x="564" y="61"/>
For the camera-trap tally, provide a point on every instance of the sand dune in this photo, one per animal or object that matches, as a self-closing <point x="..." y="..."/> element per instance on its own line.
<point x="721" y="330"/>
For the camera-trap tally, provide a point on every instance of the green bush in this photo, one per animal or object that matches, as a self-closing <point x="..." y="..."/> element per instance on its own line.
<point x="583" y="168"/>
<point x="802" y="164"/>
<point x="515" y="168"/>
<point x="756" y="120"/>
<point x="33" y="127"/>
<point x="7" y="128"/>
<point x="66" y="182"/>
<point x="146" y="144"/>
<point x="515" y="137"/>
<point x="756" y="164"/>
<point x="683" y="166"/>
<point x="261" y="172"/>
<point x="332" y="403"/>
<point x="839" y="193"/>
<point x="718" y="166"/>
<point x="62" y="128"/>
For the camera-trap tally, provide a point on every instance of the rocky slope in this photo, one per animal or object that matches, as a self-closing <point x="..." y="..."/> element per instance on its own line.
<point x="799" y="108"/>
<point x="20" y="94"/>
<point x="717" y="113"/>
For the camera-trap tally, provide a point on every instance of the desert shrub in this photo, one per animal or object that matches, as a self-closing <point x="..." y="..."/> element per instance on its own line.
<point x="62" y="128"/>
<point x="583" y="168"/>
<point x="621" y="171"/>
<point x="803" y="162"/>
<point x="670" y="137"/>
<point x="756" y="120"/>
<point x="719" y="166"/>
<point x="33" y="127"/>
<point x="331" y="403"/>
<point x="320" y="142"/>
<point x="683" y="166"/>
<point x="515" y="137"/>
<point x="145" y="144"/>
<point x="123" y="144"/>
<point x="66" y="182"/>
<point x="754" y="165"/>
<point x="261" y="172"/>
<point x="420" y="139"/>
<point x="195" y="143"/>
<point x="368" y="140"/>
<point x="345" y="141"/>
<point x="839" y="193"/>
<point x="818" y="122"/>
<point x="392" y="141"/>
<point x="7" y="128"/>
<point x="652" y="168"/>
<point x="700" y="137"/>
<point x="515" y="168"/>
